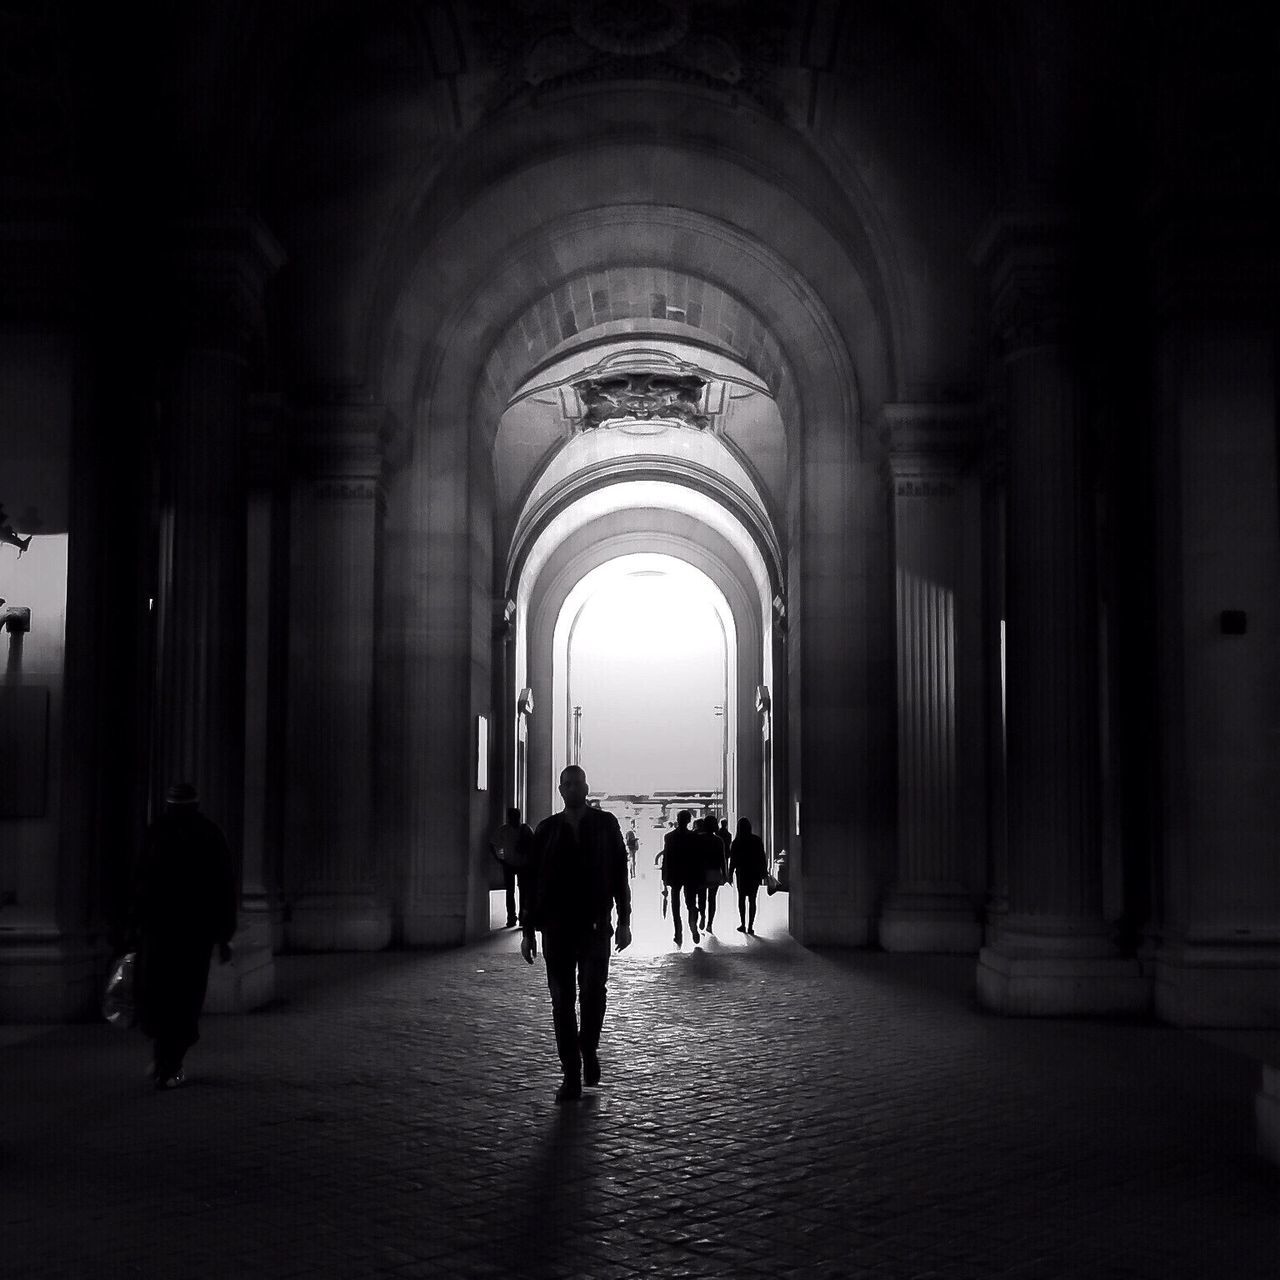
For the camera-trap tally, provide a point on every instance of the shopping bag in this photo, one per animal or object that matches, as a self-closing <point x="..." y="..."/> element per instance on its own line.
<point x="119" y="1006"/>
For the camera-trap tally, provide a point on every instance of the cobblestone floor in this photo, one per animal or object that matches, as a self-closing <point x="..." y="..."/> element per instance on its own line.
<point x="766" y="1111"/>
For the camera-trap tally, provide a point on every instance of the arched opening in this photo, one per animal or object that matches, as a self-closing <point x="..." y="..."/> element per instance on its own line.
<point x="645" y="656"/>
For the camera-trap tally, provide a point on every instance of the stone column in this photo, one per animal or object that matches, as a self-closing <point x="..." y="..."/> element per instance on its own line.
<point x="334" y="893"/>
<point x="930" y="905"/>
<point x="1054" y="953"/>
<point x="219" y="267"/>
<point x="249" y="981"/>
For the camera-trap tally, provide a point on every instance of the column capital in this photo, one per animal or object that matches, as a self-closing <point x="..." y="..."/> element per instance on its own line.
<point x="339" y="445"/>
<point x="929" y="446"/>
<point x="218" y="265"/>
<point x="1030" y="255"/>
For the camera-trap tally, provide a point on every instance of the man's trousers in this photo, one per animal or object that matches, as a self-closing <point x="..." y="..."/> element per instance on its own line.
<point x="577" y="972"/>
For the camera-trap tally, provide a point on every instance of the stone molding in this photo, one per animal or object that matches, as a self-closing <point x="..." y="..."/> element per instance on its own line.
<point x="929" y="447"/>
<point x="1029" y="256"/>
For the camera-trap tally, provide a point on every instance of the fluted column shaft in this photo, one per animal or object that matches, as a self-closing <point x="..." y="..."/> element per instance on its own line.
<point x="1054" y="871"/>
<point x="929" y="906"/>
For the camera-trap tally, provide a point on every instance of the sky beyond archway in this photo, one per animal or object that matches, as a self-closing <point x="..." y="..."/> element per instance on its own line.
<point x="647" y="667"/>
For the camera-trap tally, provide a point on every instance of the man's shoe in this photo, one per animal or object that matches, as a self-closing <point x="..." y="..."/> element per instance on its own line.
<point x="693" y="933"/>
<point x="570" y="1090"/>
<point x="171" y="1082"/>
<point x="590" y="1067"/>
<point x="751" y="933"/>
<point x="512" y="922"/>
<point x="742" y="928"/>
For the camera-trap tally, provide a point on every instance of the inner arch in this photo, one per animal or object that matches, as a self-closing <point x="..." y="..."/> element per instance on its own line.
<point x="567" y="692"/>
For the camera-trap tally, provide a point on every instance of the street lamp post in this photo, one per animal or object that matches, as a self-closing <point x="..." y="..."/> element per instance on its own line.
<point x="719" y="710"/>
<point x="577" y="736"/>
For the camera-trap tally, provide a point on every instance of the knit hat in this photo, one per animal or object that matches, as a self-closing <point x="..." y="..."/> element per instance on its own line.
<point x="181" y="793"/>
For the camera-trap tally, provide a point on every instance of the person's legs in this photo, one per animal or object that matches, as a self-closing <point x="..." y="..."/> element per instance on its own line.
<point x="691" y="906"/>
<point x="593" y="978"/>
<point x="751" y="898"/>
<point x="509" y="880"/>
<point x="177" y="975"/>
<point x="742" y="909"/>
<point x="702" y="905"/>
<point x="561" y="960"/>
<point x="712" y="891"/>
<point x="673" y="896"/>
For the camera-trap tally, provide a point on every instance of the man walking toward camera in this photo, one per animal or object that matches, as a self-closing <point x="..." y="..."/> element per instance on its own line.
<point x="577" y="876"/>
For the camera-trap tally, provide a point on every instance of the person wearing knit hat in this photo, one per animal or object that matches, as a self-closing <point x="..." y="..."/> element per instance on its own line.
<point x="184" y="904"/>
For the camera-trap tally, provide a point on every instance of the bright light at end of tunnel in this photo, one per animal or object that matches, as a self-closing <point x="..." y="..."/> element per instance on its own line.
<point x="648" y="669"/>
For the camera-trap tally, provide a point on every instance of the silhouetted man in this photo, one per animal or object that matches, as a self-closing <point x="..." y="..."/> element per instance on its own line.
<point x="748" y="865"/>
<point x="511" y="844"/>
<point x="577" y="876"/>
<point x="682" y="873"/>
<point x="184" y="903"/>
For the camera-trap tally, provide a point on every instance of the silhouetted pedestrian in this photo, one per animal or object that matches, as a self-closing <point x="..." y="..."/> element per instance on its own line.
<point x="718" y="869"/>
<point x="511" y="845"/>
<point x="710" y="859"/>
<point x="184" y="903"/>
<point x="682" y="873"/>
<point x="748" y="866"/>
<point x="577" y="876"/>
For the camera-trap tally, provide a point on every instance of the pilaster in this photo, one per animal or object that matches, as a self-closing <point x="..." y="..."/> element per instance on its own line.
<point x="1054" y="953"/>
<point x="335" y="899"/>
<point x="930" y="904"/>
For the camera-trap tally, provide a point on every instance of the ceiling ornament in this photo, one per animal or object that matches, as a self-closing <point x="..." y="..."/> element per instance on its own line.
<point x="737" y="47"/>
<point x="630" y="28"/>
<point x="644" y="398"/>
<point x="642" y="391"/>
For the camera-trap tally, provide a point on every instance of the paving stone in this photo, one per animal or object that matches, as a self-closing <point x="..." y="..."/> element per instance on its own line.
<point x="766" y="1110"/>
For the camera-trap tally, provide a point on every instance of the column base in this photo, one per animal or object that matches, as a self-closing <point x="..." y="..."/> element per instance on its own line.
<point x="933" y="922"/>
<point x="1267" y="1113"/>
<point x="249" y="980"/>
<point x="1210" y="984"/>
<point x="49" y="976"/>
<point x="1048" y="975"/>
<point x="338" y="922"/>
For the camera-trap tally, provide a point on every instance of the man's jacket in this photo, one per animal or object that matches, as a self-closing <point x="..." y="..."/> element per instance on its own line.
<point x="572" y="885"/>
<point x="682" y="858"/>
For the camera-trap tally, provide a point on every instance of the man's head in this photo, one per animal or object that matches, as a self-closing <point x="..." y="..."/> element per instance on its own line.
<point x="513" y="817"/>
<point x="744" y="826"/>
<point x="684" y="817"/>
<point x="573" y="787"/>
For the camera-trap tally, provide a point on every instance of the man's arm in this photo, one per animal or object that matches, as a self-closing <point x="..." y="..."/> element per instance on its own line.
<point x="620" y="883"/>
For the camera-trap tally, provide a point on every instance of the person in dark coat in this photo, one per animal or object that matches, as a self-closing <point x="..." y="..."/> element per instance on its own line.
<point x="511" y="844"/>
<point x="184" y="904"/>
<point x="748" y="866"/>
<point x="682" y="873"/>
<point x="715" y="852"/>
<point x="577" y="876"/>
